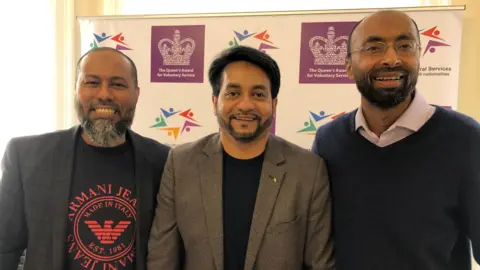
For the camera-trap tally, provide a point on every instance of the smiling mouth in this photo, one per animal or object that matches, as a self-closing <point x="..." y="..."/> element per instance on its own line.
<point x="245" y="118"/>
<point x="104" y="112"/>
<point x="389" y="78"/>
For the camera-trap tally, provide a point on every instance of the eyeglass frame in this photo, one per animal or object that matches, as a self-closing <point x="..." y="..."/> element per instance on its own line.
<point x="415" y="44"/>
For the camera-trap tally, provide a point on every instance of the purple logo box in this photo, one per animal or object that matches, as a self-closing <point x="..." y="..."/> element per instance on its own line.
<point x="323" y="51"/>
<point x="178" y="53"/>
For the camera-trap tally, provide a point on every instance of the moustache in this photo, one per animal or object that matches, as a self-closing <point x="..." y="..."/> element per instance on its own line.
<point x="374" y="72"/>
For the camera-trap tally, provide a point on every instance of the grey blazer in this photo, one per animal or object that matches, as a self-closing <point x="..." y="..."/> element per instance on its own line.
<point x="34" y="192"/>
<point x="291" y="221"/>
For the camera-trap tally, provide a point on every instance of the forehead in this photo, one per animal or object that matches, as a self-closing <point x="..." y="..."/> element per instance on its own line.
<point x="244" y="72"/>
<point x="387" y="26"/>
<point x="105" y="63"/>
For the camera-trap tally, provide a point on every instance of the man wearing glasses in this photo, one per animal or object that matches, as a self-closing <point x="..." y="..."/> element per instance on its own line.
<point x="405" y="174"/>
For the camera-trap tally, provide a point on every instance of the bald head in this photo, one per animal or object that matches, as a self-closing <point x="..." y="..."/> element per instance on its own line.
<point x="380" y="21"/>
<point x="106" y="96"/>
<point x="108" y="54"/>
<point x="385" y="58"/>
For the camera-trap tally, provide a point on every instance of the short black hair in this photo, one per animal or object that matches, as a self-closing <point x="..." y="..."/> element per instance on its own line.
<point x="349" y="46"/>
<point x="247" y="54"/>
<point x="132" y="64"/>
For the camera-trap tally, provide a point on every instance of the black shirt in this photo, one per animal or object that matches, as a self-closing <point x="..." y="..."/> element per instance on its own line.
<point x="101" y="212"/>
<point x="240" y="185"/>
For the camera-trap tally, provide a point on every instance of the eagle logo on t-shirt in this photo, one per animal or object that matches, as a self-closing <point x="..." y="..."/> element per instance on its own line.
<point x="107" y="234"/>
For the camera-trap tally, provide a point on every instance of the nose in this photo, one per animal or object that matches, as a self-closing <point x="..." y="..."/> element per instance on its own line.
<point x="246" y="104"/>
<point x="105" y="92"/>
<point x="390" y="58"/>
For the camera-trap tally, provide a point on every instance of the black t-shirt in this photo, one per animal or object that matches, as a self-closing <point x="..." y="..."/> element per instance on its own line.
<point x="240" y="185"/>
<point x="102" y="209"/>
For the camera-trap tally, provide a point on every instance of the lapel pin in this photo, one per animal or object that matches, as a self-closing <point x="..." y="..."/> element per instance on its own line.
<point x="273" y="178"/>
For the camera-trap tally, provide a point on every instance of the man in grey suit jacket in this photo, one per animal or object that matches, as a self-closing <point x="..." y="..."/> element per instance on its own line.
<point x="83" y="198"/>
<point x="242" y="198"/>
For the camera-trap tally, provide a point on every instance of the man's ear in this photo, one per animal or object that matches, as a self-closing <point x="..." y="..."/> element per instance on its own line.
<point x="137" y="92"/>
<point x="348" y="65"/>
<point x="214" y="102"/>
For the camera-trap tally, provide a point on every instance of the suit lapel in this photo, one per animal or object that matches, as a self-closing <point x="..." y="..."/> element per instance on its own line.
<point x="143" y="189"/>
<point x="270" y="183"/>
<point x="63" y="167"/>
<point x="210" y="167"/>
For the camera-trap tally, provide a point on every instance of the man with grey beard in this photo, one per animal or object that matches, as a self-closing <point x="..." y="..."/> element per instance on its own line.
<point x="84" y="198"/>
<point x="242" y="198"/>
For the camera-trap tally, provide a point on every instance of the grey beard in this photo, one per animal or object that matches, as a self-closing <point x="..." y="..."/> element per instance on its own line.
<point x="102" y="132"/>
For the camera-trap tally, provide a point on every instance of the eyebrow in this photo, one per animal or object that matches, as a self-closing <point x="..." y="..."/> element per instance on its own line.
<point x="90" y="76"/>
<point x="114" y="78"/>
<point x="374" y="39"/>
<point x="260" y="87"/>
<point x="233" y="85"/>
<point x="403" y="36"/>
<point x="255" y="87"/>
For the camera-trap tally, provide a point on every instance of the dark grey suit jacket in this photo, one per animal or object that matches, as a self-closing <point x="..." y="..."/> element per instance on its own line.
<point x="34" y="193"/>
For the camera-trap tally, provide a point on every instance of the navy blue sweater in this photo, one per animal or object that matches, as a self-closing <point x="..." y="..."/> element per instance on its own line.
<point x="414" y="204"/>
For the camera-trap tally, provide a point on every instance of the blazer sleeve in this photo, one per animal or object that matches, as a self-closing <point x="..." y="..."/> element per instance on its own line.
<point x="165" y="245"/>
<point x="319" y="244"/>
<point x="13" y="230"/>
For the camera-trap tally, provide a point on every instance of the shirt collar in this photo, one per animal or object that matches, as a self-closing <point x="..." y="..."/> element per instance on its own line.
<point x="413" y="118"/>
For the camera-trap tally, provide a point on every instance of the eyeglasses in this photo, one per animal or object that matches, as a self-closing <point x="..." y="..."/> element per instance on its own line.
<point x="402" y="48"/>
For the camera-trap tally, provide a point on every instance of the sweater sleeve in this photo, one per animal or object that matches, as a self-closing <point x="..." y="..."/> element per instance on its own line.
<point x="470" y="192"/>
<point x="316" y="145"/>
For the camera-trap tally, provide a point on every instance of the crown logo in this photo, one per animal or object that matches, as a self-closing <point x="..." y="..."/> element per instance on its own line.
<point x="176" y="51"/>
<point x="329" y="50"/>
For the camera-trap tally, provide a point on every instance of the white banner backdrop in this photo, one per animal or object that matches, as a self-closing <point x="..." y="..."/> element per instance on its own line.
<point x="173" y="54"/>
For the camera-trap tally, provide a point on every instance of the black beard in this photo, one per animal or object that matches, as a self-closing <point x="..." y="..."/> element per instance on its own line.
<point x="385" y="98"/>
<point x="104" y="132"/>
<point x="245" y="137"/>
